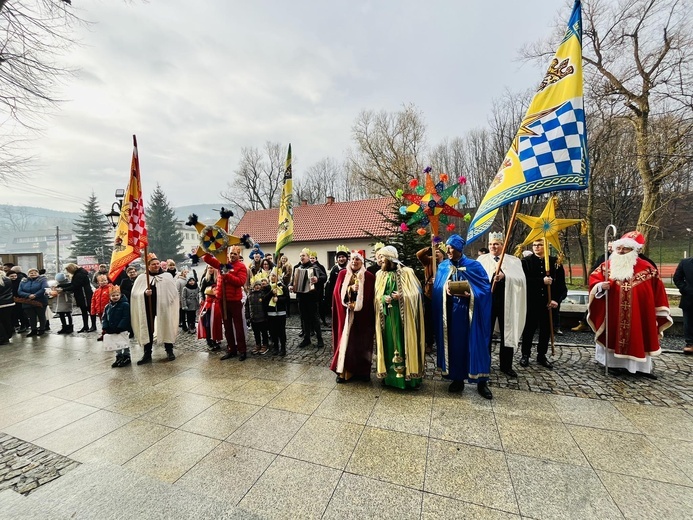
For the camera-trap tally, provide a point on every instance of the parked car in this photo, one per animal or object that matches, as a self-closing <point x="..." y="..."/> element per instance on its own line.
<point x="576" y="298"/>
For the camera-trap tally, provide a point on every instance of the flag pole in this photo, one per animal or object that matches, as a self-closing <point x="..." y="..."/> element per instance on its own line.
<point x="505" y="242"/>
<point x="150" y="315"/>
<point x="547" y="268"/>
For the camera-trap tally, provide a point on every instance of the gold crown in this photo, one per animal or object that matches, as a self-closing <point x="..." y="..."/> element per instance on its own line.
<point x="342" y="249"/>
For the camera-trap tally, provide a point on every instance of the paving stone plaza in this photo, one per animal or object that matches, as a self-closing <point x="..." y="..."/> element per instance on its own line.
<point x="278" y="438"/>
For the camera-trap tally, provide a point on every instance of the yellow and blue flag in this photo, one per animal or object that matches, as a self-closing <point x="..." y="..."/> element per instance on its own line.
<point x="549" y="152"/>
<point x="285" y="225"/>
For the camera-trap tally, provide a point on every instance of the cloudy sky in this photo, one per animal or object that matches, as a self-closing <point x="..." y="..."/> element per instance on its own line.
<point x="197" y="81"/>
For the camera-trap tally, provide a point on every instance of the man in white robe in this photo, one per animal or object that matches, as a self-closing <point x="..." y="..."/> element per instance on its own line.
<point x="509" y="299"/>
<point x="154" y="310"/>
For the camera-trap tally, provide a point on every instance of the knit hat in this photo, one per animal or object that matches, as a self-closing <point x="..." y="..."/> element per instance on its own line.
<point x="60" y="278"/>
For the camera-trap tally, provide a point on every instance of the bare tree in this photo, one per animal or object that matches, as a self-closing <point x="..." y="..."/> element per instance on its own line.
<point x="641" y="53"/>
<point x="258" y="180"/>
<point x="327" y="178"/>
<point x="15" y="218"/>
<point x="389" y="149"/>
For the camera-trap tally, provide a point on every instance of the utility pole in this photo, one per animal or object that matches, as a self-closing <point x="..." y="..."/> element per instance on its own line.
<point x="57" y="249"/>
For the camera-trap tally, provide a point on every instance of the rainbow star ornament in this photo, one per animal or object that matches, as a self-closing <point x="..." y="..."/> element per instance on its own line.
<point x="432" y="204"/>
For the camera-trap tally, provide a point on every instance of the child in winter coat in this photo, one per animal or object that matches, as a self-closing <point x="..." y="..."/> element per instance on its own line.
<point x="209" y="326"/>
<point x="63" y="304"/>
<point x="190" y="303"/>
<point x="276" y="314"/>
<point x="115" y="320"/>
<point x="99" y="301"/>
<point x="256" y="314"/>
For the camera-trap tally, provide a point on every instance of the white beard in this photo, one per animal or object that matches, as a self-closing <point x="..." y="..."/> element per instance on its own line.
<point x="622" y="267"/>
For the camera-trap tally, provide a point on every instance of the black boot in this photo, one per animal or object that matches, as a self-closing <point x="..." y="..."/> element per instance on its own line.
<point x="169" y="353"/>
<point x="118" y="359"/>
<point x="147" y="358"/>
<point x="93" y="324"/>
<point x="125" y="360"/>
<point x="282" y="351"/>
<point x="62" y="330"/>
<point x="484" y="390"/>
<point x="69" y="329"/>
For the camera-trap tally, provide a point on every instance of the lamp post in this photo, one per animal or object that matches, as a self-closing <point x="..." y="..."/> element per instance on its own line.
<point x="688" y="232"/>
<point x="114" y="215"/>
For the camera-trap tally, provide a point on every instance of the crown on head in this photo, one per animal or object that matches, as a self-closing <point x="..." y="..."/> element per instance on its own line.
<point x="496" y="235"/>
<point x="150" y="257"/>
<point x="342" y="249"/>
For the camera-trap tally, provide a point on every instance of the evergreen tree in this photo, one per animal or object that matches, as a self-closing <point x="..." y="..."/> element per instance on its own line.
<point x="162" y="228"/>
<point x="92" y="233"/>
<point x="407" y="244"/>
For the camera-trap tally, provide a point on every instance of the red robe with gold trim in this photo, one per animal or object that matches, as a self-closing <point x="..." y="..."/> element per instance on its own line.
<point x="353" y="330"/>
<point x="638" y="312"/>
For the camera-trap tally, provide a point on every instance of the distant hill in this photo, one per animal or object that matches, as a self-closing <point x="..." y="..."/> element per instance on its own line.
<point x="30" y="217"/>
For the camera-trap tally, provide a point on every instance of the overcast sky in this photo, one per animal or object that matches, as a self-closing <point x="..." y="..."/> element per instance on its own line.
<point x="197" y="81"/>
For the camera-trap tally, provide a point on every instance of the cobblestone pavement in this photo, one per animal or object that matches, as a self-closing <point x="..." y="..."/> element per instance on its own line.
<point x="575" y="373"/>
<point x="24" y="466"/>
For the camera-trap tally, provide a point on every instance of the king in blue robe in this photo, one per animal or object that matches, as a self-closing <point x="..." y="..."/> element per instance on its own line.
<point x="463" y="321"/>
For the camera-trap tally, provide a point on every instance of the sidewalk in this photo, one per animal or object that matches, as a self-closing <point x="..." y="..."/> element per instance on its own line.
<point x="278" y="438"/>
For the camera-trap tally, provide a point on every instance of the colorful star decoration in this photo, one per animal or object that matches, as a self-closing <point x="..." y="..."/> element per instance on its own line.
<point x="432" y="204"/>
<point x="547" y="225"/>
<point x="214" y="239"/>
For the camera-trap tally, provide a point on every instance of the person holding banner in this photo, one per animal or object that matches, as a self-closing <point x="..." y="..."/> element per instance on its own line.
<point x="509" y="299"/>
<point x="154" y="307"/>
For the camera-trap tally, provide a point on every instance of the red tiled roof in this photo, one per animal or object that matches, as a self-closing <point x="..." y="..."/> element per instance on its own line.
<point x="322" y="222"/>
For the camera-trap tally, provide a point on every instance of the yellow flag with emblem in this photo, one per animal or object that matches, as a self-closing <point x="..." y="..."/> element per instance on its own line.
<point x="549" y="151"/>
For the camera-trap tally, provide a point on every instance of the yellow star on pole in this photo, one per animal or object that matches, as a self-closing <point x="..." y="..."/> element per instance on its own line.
<point x="546" y="226"/>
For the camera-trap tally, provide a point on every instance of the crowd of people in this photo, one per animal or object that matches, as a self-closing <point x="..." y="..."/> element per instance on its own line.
<point x="384" y="309"/>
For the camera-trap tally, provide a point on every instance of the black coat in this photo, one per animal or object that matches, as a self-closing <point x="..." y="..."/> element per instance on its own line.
<point x="535" y="271"/>
<point x="116" y="317"/>
<point x="683" y="278"/>
<point x="81" y="288"/>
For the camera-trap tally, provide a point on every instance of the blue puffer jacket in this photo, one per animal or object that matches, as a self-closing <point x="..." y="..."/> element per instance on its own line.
<point x="36" y="286"/>
<point x="116" y="316"/>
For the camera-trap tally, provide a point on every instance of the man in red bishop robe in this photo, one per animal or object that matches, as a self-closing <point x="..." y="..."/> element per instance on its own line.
<point x="353" y="321"/>
<point x="638" y="309"/>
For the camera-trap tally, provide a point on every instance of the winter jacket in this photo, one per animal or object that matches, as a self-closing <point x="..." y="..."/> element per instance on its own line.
<point x="116" y="316"/>
<point x="255" y="305"/>
<point x="229" y="284"/>
<point x="204" y="283"/>
<point x="64" y="301"/>
<point x="36" y="286"/>
<point x="81" y="288"/>
<point x="180" y="283"/>
<point x="6" y="296"/>
<point x="190" y="299"/>
<point x="126" y="287"/>
<point x="99" y="300"/>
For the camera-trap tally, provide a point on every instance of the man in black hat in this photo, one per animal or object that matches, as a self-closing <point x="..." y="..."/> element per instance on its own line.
<point x="341" y="259"/>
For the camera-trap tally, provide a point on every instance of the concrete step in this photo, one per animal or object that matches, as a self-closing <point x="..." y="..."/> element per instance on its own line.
<point x="106" y="491"/>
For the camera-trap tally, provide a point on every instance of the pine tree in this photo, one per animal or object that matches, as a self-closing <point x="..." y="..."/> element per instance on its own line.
<point x="407" y="244"/>
<point x="92" y="233"/>
<point x="164" y="238"/>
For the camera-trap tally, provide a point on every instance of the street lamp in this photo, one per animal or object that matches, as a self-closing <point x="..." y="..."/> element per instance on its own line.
<point x="114" y="215"/>
<point x="688" y="232"/>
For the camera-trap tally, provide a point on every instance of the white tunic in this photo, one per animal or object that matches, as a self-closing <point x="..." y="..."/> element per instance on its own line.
<point x="515" y="309"/>
<point x="167" y="305"/>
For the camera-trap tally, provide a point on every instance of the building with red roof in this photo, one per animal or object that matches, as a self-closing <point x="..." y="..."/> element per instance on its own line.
<point x="322" y="227"/>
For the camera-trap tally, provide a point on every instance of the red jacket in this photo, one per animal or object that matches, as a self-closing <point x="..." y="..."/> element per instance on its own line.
<point x="99" y="300"/>
<point x="229" y="284"/>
